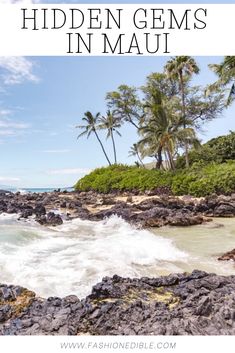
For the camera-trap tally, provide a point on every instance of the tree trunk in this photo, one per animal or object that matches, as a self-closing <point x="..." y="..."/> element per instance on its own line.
<point x="186" y="155"/>
<point x="172" y="164"/>
<point x="159" y="157"/>
<point x="141" y="162"/>
<point x="167" y="163"/>
<point x="106" y="156"/>
<point x="114" y="148"/>
<point x="184" y="118"/>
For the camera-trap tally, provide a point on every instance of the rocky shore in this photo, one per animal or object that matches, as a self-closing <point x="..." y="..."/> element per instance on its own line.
<point x="145" y="210"/>
<point x="179" y="304"/>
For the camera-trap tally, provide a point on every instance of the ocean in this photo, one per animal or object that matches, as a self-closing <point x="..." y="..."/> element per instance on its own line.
<point x="39" y="190"/>
<point x="71" y="258"/>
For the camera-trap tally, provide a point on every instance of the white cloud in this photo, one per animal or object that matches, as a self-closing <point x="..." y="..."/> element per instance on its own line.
<point x="56" y="151"/>
<point x="7" y="132"/>
<point x="14" y="125"/>
<point x="9" y="179"/>
<point x="9" y="127"/>
<point x="68" y="171"/>
<point x="16" y="70"/>
<point x="5" y="112"/>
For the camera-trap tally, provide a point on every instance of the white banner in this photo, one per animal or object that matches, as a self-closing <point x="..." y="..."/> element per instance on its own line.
<point x="117" y="29"/>
<point x="111" y="344"/>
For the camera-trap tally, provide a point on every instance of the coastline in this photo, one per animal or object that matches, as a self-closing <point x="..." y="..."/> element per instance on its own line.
<point x="168" y="305"/>
<point x="141" y="209"/>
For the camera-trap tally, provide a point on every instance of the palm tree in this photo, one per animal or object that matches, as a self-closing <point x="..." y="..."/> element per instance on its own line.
<point x="155" y="133"/>
<point x="181" y="68"/>
<point x="163" y="131"/>
<point x="226" y="75"/>
<point x="111" y="124"/>
<point x="91" y="127"/>
<point x="134" y="151"/>
<point x="150" y="145"/>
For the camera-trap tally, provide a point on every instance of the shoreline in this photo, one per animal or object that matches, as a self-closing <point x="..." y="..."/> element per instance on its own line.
<point x="145" y="210"/>
<point x="196" y="303"/>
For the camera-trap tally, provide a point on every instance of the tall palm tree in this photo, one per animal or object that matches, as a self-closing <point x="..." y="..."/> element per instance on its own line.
<point x="134" y="151"/>
<point x="155" y="133"/>
<point x="163" y="131"/>
<point x="226" y="75"/>
<point x="181" y="68"/>
<point x="91" y="127"/>
<point x="111" y="124"/>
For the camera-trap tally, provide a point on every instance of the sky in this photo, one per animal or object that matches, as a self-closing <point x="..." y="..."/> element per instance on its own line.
<point x="42" y="99"/>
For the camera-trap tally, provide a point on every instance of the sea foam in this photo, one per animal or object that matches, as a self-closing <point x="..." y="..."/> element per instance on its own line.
<point x="74" y="256"/>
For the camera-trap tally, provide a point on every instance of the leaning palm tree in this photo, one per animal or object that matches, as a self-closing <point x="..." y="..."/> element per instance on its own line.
<point x="111" y="124"/>
<point x="134" y="152"/>
<point x="181" y="68"/>
<point x="226" y="75"/>
<point x="90" y="127"/>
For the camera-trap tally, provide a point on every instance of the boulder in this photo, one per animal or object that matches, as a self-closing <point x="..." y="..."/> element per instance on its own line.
<point x="181" y="220"/>
<point x="5" y="192"/>
<point x="54" y="219"/>
<point x="51" y="219"/>
<point x="28" y="212"/>
<point x="3" y="206"/>
<point x="39" y="210"/>
<point x="224" y="210"/>
<point x="230" y="255"/>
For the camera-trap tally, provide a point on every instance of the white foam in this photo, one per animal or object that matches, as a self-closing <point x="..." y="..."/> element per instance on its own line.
<point x="22" y="191"/>
<point x="8" y="216"/>
<point x="71" y="258"/>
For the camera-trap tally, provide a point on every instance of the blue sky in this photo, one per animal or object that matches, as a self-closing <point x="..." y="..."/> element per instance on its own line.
<point x="42" y="99"/>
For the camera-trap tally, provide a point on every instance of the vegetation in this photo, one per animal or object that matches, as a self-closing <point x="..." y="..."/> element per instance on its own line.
<point x="218" y="150"/>
<point x="134" y="151"/>
<point x="181" y="68"/>
<point x="111" y="123"/>
<point x="196" y="181"/>
<point x="122" y="177"/>
<point x="167" y="113"/>
<point x="162" y="130"/>
<point x="91" y="127"/>
<point x="226" y="77"/>
<point x="125" y="105"/>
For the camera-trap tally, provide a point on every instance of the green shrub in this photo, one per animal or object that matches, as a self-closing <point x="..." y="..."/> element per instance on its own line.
<point x="218" y="150"/>
<point x="121" y="177"/>
<point x="199" y="180"/>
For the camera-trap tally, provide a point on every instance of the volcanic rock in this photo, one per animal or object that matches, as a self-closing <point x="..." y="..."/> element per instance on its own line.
<point x="224" y="210"/>
<point x="179" y="304"/>
<point x="230" y="255"/>
<point x="39" y="210"/>
<point x="51" y="219"/>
